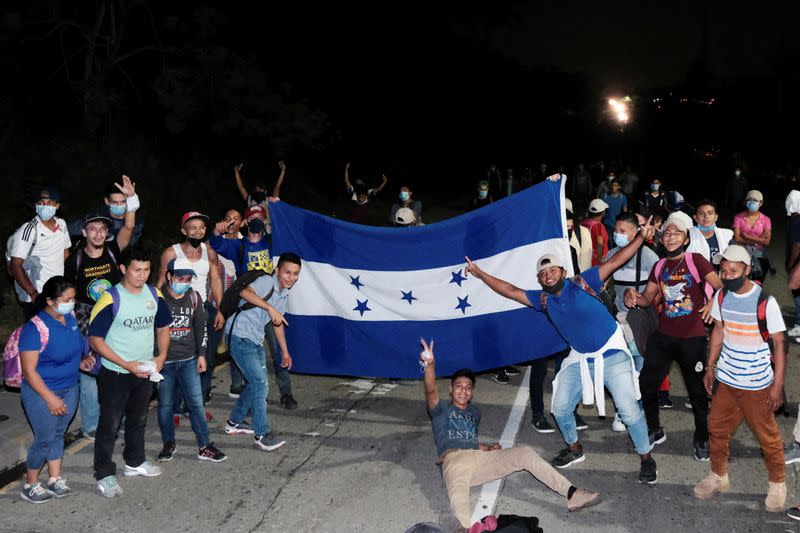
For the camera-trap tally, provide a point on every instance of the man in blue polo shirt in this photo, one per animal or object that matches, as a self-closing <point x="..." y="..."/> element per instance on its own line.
<point x="262" y="305"/>
<point x="599" y="355"/>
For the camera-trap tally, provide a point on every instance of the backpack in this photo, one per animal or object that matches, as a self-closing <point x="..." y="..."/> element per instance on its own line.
<point x="229" y="306"/>
<point x="761" y="310"/>
<point x="12" y="369"/>
<point x="689" y="258"/>
<point x="78" y="251"/>
<point x="115" y="299"/>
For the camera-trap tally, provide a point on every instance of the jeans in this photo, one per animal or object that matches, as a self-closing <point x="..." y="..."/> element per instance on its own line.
<point x="89" y="406"/>
<point x="282" y="376"/>
<point x="690" y="353"/>
<point x="253" y="364"/>
<point x="618" y="378"/>
<point x="48" y="429"/>
<point x="536" y="383"/>
<point x="212" y="343"/>
<point x="182" y="375"/>
<point x="120" y="395"/>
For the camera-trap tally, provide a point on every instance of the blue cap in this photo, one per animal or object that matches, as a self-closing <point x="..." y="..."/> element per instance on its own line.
<point x="180" y="271"/>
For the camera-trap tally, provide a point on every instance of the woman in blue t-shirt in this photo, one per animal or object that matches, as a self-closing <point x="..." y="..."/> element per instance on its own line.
<point x="50" y="387"/>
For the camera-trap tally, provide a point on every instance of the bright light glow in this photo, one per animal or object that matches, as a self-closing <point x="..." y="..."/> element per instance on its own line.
<point x="619" y="109"/>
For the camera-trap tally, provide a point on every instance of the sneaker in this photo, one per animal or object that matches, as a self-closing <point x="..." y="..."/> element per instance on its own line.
<point x="791" y="453"/>
<point x="580" y="425"/>
<point x="701" y="452"/>
<point x="776" y="497"/>
<point x="167" y="452"/>
<point x="568" y="457"/>
<point x="145" y="469"/>
<point x="657" y="436"/>
<point x="501" y="377"/>
<point x="512" y="371"/>
<point x="711" y="485"/>
<point x="109" y="487"/>
<point x="582" y="499"/>
<point x="793" y="512"/>
<point x="268" y="442"/>
<point x="688" y="403"/>
<point x="35" y="493"/>
<point x="664" y="401"/>
<point x="795" y="331"/>
<point x="617" y="425"/>
<point x="235" y="392"/>
<point x="648" y="472"/>
<point x="210" y="453"/>
<point x="289" y="402"/>
<point x="541" y="425"/>
<point x="89" y="435"/>
<point x="242" y="428"/>
<point x="59" y="488"/>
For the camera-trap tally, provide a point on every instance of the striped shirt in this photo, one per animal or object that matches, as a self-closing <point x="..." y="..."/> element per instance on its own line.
<point x="744" y="362"/>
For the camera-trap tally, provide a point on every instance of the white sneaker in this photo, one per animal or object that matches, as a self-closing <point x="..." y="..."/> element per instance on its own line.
<point x="145" y="469"/>
<point x="617" y="424"/>
<point x="794" y="332"/>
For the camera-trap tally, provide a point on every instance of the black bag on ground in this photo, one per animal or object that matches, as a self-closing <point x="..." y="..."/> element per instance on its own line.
<point x="511" y="523"/>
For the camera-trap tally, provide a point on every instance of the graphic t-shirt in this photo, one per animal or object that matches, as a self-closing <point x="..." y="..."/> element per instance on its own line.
<point x="453" y="427"/>
<point x="187" y="333"/>
<point x="95" y="275"/>
<point x="682" y="297"/>
<point x="713" y="245"/>
<point x="245" y="254"/>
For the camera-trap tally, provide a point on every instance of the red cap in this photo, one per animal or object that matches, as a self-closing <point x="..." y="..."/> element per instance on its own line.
<point x="256" y="210"/>
<point x="194" y="214"/>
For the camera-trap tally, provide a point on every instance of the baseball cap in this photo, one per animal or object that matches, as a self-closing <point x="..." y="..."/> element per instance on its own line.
<point x="192" y="215"/>
<point x="568" y="205"/>
<point x="734" y="252"/>
<point x="96" y="216"/>
<point x="405" y="215"/>
<point x="180" y="271"/>
<point x="597" y="206"/>
<point x="49" y="193"/>
<point x="547" y="261"/>
<point x="680" y="220"/>
<point x="754" y="195"/>
<point x="255" y="211"/>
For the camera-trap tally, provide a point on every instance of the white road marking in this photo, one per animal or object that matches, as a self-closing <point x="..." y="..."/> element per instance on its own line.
<point x="312" y="434"/>
<point x="490" y="491"/>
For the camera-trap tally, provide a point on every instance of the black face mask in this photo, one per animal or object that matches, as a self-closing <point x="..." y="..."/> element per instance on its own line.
<point x="676" y="252"/>
<point x="569" y="234"/>
<point x="733" y="285"/>
<point x="555" y="288"/>
<point x="255" y="226"/>
<point x="194" y="243"/>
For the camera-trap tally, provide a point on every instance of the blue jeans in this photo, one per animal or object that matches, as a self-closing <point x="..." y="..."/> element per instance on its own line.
<point x="212" y="343"/>
<point x="618" y="378"/>
<point x="282" y="376"/>
<point x="89" y="405"/>
<point x="253" y="364"/>
<point x="48" y="429"/>
<point x="182" y="375"/>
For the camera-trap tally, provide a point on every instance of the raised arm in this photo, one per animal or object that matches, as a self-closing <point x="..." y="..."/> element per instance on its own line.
<point x="347" y="183"/>
<point x="503" y="288"/>
<point x="125" y="234"/>
<point x="427" y="358"/>
<point x="239" y="183"/>
<point x="276" y="192"/>
<point x="384" y="181"/>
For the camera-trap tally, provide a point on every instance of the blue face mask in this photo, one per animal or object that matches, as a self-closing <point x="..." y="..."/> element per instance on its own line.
<point x="65" y="309"/>
<point x="706" y="229"/>
<point x="117" y="210"/>
<point x="752" y="205"/>
<point x="404" y="195"/>
<point x="483" y="194"/>
<point x="655" y="186"/>
<point x="621" y="240"/>
<point x="45" y="212"/>
<point x="180" y="288"/>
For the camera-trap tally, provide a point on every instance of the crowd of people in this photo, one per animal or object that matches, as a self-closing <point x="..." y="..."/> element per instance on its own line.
<point x="655" y="281"/>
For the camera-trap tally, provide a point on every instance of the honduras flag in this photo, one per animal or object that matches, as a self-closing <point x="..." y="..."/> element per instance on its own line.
<point x="367" y="294"/>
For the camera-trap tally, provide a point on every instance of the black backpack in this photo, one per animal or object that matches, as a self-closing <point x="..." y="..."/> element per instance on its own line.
<point x="230" y="299"/>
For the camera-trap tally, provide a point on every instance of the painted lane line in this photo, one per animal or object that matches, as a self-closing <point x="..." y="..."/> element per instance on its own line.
<point x="490" y="491"/>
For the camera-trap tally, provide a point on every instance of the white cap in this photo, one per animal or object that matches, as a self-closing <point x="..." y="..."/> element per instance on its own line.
<point x="597" y="206"/>
<point x="404" y="216"/>
<point x="547" y="261"/>
<point x="680" y="220"/>
<point x="755" y="195"/>
<point x="734" y="252"/>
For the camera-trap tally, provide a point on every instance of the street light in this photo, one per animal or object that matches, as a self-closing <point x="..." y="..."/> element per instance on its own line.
<point x="619" y="109"/>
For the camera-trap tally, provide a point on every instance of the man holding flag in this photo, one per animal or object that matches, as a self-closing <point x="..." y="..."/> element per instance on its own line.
<point x="599" y="355"/>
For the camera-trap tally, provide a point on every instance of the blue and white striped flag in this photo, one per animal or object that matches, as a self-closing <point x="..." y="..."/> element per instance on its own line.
<point x="367" y="294"/>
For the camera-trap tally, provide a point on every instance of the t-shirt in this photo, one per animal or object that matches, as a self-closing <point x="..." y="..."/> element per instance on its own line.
<point x="245" y="254"/>
<point x="96" y="274"/>
<point x="763" y="224"/>
<point x="250" y="323"/>
<point x="625" y="277"/>
<point x="615" y="206"/>
<point x="454" y="428"/>
<point x="713" y="245"/>
<point x="653" y="203"/>
<point x="59" y="362"/>
<point x="415" y="206"/>
<point x="187" y="333"/>
<point x="682" y="297"/>
<point x="597" y="229"/>
<point x="42" y="249"/>
<point x="744" y="362"/>
<point x="580" y="318"/>
<point x="131" y="334"/>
